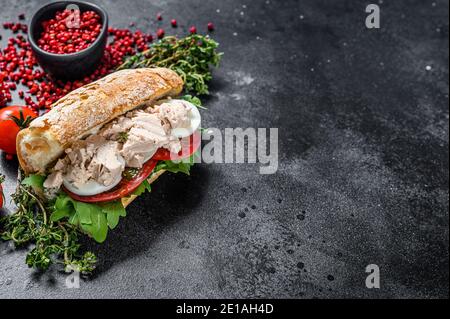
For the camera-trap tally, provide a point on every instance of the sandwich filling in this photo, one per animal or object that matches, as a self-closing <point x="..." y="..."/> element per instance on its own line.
<point x="97" y="163"/>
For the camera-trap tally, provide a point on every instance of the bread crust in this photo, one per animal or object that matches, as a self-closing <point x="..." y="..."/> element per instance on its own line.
<point x="88" y="108"/>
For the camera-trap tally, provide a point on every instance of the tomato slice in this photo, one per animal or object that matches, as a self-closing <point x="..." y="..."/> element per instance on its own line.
<point x="125" y="187"/>
<point x="188" y="147"/>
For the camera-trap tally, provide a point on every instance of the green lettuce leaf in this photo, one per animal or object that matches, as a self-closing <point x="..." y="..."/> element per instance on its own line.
<point x="113" y="210"/>
<point x="34" y="180"/>
<point x="145" y="186"/>
<point x="183" y="166"/>
<point x="94" y="219"/>
<point x="98" y="226"/>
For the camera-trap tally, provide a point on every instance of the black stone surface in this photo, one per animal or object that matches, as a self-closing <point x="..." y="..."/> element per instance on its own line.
<point x="363" y="163"/>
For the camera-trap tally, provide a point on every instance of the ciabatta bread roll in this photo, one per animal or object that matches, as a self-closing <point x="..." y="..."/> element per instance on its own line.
<point x="87" y="109"/>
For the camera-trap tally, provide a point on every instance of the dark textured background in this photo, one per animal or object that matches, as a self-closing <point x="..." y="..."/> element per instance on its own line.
<point x="363" y="175"/>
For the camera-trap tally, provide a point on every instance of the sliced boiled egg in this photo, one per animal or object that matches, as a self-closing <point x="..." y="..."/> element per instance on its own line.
<point x="195" y="119"/>
<point x="91" y="187"/>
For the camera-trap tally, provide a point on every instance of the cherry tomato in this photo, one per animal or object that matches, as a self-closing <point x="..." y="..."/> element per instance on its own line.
<point x="125" y="187"/>
<point x="188" y="147"/>
<point x="1" y="192"/>
<point x="2" y="198"/>
<point x="9" y="127"/>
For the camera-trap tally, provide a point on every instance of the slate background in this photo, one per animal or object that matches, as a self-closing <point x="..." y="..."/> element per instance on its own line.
<point x="363" y="168"/>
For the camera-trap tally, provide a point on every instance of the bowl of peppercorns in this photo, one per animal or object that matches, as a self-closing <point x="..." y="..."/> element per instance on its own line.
<point x="68" y="38"/>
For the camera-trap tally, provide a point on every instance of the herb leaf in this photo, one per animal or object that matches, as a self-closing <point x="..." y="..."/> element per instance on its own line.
<point x="54" y="239"/>
<point x="145" y="186"/>
<point x="92" y="218"/>
<point x="122" y="137"/>
<point x="34" y="180"/>
<point x="183" y="166"/>
<point x="193" y="99"/>
<point x="190" y="57"/>
<point x="98" y="228"/>
<point x="113" y="211"/>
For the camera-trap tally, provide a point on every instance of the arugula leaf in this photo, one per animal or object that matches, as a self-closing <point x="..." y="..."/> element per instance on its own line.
<point x="98" y="228"/>
<point x="145" y="186"/>
<point x="85" y="211"/>
<point x="59" y="214"/>
<point x="63" y="208"/>
<point x="74" y="220"/>
<point x="113" y="211"/>
<point x="182" y="166"/>
<point x="112" y="219"/>
<point x="94" y="219"/>
<point x="34" y="180"/>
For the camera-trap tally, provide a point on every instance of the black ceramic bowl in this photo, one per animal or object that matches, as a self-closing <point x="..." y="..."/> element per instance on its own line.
<point x="74" y="65"/>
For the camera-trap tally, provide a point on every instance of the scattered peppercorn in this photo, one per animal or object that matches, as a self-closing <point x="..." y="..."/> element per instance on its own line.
<point x="159" y="16"/>
<point x="19" y="66"/>
<point x="174" y="23"/>
<point x="160" y="33"/>
<point x="210" y="26"/>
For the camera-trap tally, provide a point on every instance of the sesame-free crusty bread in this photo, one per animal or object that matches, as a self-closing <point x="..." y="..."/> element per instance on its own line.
<point x="87" y="109"/>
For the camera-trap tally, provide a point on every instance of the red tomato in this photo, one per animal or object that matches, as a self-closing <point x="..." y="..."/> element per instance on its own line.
<point x="188" y="147"/>
<point x="2" y="179"/>
<point x="125" y="187"/>
<point x="9" y="128"/>
<point x="1" y="196"/>
<point x="1" y="193"/>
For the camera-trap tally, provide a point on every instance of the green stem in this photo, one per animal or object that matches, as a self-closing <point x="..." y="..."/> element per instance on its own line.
<point x="44" y="212"/>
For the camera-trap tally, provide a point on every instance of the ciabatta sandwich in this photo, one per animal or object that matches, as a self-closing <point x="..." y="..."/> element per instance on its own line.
<point x="103" y="144"/>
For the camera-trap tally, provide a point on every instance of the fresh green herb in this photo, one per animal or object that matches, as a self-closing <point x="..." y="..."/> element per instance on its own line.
<point x="93" y="219"/>
<point x="191" y="57"/>
<point x="123" y="137"/>
<point x="145" y="186"/>
<point x="113" y="210"/>
<point x="35" y="181"/>
<point x="54" y="228"/>
<point x="193" y="99"/>
<point x="54" y="241"/>
<point x="182" y="166"/>
<point x="130" y="172"/>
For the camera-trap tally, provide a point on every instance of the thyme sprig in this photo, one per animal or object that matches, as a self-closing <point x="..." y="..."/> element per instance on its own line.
<point x="54" y="242"/>
<point x="191" y="57"/>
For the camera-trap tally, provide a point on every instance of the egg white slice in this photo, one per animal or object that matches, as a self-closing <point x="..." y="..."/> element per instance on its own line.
<point x="92" y="188"/>
<point x="195" y="118"/>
